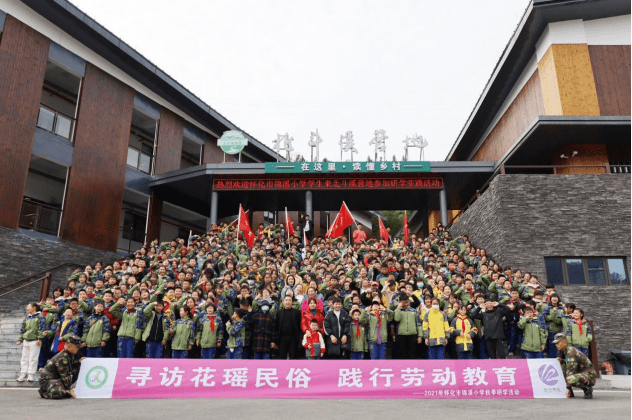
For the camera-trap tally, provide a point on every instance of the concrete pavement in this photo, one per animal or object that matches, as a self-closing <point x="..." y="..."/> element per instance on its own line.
<point x="26" y="404"/>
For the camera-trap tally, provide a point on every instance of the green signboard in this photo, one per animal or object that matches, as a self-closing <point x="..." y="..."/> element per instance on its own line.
<point x="232" y="142"/>
<point x="345" y="167"/>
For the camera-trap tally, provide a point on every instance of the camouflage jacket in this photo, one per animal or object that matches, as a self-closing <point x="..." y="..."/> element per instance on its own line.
<point x="63" y="366"/>
<point x="575" y="361"/>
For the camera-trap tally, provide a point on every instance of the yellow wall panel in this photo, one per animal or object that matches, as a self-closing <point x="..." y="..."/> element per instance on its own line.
<point x="568" y="84"/>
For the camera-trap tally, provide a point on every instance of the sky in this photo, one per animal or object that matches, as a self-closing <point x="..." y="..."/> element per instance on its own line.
<point x="275" y="67"/>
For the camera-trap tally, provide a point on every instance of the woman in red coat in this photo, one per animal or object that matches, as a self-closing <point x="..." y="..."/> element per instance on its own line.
<point x="314" y="310"/>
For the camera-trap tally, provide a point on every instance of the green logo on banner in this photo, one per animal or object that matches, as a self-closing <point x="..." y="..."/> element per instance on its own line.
<point x="96" y="377"/>
<point x="232" y="142"/>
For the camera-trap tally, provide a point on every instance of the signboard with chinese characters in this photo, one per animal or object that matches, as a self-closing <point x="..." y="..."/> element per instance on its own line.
<point x="319" y="183"/>
<point x="232" y="142"/>
<point x="345" y="167"/>
<point x="217" y="378"/>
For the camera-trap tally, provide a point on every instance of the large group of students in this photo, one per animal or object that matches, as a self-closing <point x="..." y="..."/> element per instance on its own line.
<point x="212" y="296"/>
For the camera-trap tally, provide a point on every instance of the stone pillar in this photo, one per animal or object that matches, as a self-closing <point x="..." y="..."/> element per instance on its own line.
<point x="443" y="205"/>
<point x="308" y="205"/>
<point x="214" y="200"/>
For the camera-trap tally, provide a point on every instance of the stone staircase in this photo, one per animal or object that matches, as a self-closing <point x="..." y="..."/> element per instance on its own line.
<point x="10" y="354"/>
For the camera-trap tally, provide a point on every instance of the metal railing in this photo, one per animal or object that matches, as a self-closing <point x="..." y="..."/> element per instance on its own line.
<point x="540" y="169"/>
<point x="564" y="169"/>
<point x="55" y="122"/>
<point x="40" y="217"/>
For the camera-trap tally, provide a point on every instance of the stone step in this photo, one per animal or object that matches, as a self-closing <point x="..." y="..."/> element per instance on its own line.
<point x="7" y="383"/>
<point x="10" y="358"/>
<point x="5" y="343"/>
<point x="6" y="374"/>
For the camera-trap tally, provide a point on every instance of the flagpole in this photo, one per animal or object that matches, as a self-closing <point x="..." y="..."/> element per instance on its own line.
<point x="238" y="226"/>
<point x="333" y="224"/>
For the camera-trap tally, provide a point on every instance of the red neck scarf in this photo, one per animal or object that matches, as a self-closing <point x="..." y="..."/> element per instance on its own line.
<point x="579" y="324"/>
<point x="212" y="319"/>
<point x="462" y="322"/>
<point x="358" y="334"/>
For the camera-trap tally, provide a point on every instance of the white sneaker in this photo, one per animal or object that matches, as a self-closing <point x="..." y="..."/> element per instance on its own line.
<point x="22" y="378"/>
<point x="31" y="378"/>
<point x="510" y="354"/>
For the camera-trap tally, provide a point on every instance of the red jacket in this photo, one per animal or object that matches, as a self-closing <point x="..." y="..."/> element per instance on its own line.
<point x="315" y="338"/>
<point x="306" y="319"/>
<point x="113" y="320"/>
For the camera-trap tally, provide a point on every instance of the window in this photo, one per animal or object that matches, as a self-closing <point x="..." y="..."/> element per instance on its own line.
<point x="593" y="271"/>
<point x="134" y="227"/>
<point x="616" y="271"/>
<point x="554" y="270"/>
<point x="575" y="271"/>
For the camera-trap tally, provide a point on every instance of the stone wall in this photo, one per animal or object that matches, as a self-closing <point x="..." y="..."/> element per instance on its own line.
<point x="521" y="219"/>
<point x="26" y="253"/>
<point x="609" y="308"/>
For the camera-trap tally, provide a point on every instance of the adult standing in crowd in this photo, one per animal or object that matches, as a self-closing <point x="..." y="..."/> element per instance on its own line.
<point x="288" y="326"/>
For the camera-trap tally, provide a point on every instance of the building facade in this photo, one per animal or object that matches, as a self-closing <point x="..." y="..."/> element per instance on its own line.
<point x="85" y="123"/>
<point x="555" y="117"/>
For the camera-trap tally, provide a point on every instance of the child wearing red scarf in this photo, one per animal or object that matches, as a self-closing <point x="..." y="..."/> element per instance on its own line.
<point x="464" y="331"/>
<point x="579" y="332"/>
<point x="357" y="335"/>
<point x="209" y="332"/>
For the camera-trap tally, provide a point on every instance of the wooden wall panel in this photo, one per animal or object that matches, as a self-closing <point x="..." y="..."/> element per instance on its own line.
<point x="611" y="70"/>
<point x="154" y="221"/>
<point x="522" y="112"/>
<point x="588" y="154"/>
<point x="169" y="147"/>
<point x="96" y="182"/>
<point x="550" y="87"/>
<point x="575" y="80"/>
<point x="23" y="58"/>
<point x="212" y="152"/>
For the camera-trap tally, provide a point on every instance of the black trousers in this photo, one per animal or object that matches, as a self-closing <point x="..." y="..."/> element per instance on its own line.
<point x="495" y="348"/>
<point x="406" y="345"/>
<point x="288" y="345"/>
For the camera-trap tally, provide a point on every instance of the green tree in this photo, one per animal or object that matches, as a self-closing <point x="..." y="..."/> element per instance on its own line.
<point x="394" y="219"/>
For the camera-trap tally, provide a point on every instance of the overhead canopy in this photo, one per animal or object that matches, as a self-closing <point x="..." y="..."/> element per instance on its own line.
<point x="544" y="139"/>
<point x="191" y="188"/>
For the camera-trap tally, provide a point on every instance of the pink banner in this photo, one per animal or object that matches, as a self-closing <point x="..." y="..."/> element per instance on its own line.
<point x="169" y="378"/>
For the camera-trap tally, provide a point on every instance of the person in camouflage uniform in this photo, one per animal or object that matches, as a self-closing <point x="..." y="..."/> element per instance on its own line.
<point x="61" y="371"/>
<point x="577" y="368"/>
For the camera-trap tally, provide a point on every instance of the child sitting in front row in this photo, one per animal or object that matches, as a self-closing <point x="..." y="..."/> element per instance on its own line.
<point x="313" y="342"/>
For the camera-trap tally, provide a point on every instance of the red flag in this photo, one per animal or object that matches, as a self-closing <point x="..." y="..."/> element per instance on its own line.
<point x="305" y="240"/>
<point x="405" y="228"/>
<point x="288" y="223"/>
<point x="234" y="222"/>
<point x="244" y="226"/>
<point x="383" y="231"/>
<point x="343" y="220"/>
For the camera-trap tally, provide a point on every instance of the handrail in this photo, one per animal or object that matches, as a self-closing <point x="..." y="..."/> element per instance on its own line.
<point x="40" y="273"/>
<point x="46" y="281"/>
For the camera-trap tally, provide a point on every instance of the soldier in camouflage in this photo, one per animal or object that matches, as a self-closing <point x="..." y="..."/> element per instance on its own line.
<point x="61" y="371"/>
<point x="577" y="368"/>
